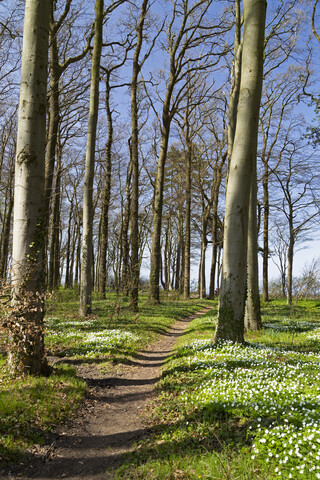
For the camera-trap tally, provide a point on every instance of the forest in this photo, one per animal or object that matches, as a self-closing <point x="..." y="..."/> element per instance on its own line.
<point x="156" y="160"/>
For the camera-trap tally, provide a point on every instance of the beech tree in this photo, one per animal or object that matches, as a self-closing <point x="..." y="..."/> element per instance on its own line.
<point x="26" y="345"/>
<point x="118" y="60"/>
<point x="297" y="202"/>
<point x="230" y="324"/>
<point x="186" y="31"/>
<point x="86" y="255"/>
<point x="283" y="84"/>
<point x="7" y="165"/>
<point x="134" y="158"/>
<point x="60" y="62"/>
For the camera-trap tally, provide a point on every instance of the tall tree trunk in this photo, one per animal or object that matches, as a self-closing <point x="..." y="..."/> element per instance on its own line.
<point x="56" y="71"/>
<point x="124" y="236"/>
<point x="157" y="203"/>
<point x="5" y="237"/>
<point x="78" y="256"/>
<point x="230" y="324"/>
<point x="68" y="281"/>
<point x="54" y="259"/>
<point x="187" y="244"/>
<point x="106" y="195"/>
<point x="265" y="280"/>
<point x="154" y="291"/>
<point x="236" y="79"/>
<point x="134" y="214"/>
<point x="54" y="108"/>
<point x="86" y="255"/>
<point x="252" y="313"/>
<point x="202" y="269"/>
<point x="214" y="249"/>
<point x="290" y="259"/>
<point x="26" y="349"/>
<point x="177" y="264"/>
<point x="166" y="256"/>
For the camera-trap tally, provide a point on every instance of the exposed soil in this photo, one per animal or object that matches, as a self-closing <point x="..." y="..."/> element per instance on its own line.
<point x="111" y="422"/>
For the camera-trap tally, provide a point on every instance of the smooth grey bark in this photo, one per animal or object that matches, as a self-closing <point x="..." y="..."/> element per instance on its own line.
<point x="26" y="347"/>
<point x="230" y="324"/>
<point x="236" y="79"/>
<point x="86" y="282"/>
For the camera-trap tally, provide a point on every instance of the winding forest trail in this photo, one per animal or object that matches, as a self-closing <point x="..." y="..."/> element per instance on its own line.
<point x="107" y="428"/>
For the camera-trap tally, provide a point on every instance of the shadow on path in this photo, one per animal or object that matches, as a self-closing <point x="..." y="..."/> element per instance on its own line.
<point x="106" y="430"/>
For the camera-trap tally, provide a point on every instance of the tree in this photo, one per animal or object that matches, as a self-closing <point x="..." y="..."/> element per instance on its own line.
<point x="7" y="166"/>
<point x="59" y="64"/>
<point x="186" y="31"/>
<point x="283" y="84"/>
<point x="26" y="347"/>
<point x="252" y="311"/>
<point x="230" y="324"/>
<point x="118" y="60"/>
<point x="134" y="158"/>
<point x="86" y="256"/>
<point x="297" y="181"/>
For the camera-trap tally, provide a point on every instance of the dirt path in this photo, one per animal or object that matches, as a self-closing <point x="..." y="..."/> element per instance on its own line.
<point x="112" y="421"/>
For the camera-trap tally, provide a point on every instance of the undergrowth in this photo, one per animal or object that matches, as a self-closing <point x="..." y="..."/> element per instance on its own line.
<point x="31" y="407"/>
<point x="238" y="411"/>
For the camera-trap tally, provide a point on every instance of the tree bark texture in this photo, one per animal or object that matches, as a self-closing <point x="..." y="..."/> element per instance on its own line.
<point x="236" y="79"/>
<point x="26" y="350"/>
<point x="233" y="290"/>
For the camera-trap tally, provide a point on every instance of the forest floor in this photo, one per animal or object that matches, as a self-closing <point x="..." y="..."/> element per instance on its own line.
<point x="110" y="423"/>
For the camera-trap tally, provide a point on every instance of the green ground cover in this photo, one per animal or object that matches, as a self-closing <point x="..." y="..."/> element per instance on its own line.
<point x="222" y="412"/>
<point x="32" y="407"/>
<point x="239" y="412"/>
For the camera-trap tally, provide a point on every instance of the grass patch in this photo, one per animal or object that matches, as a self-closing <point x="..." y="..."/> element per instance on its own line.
<point x="30" y="407"/>
<point x="114" y="331"/>
<point x="238" y="412"/>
